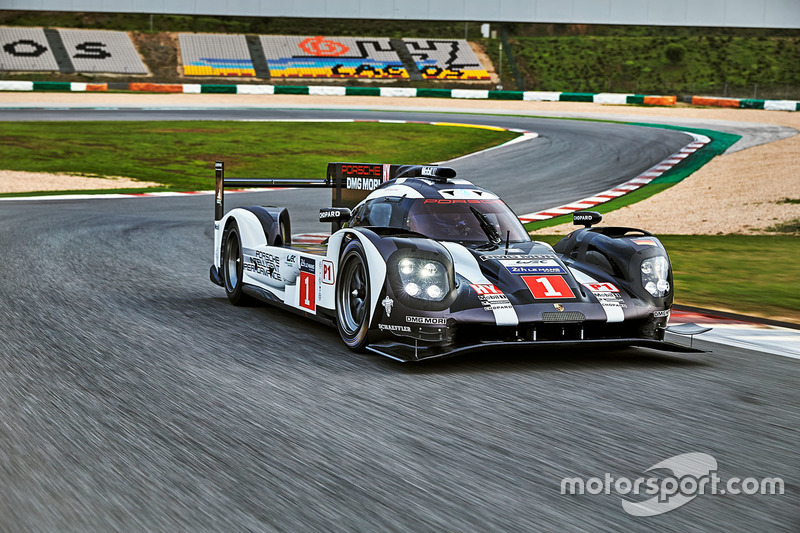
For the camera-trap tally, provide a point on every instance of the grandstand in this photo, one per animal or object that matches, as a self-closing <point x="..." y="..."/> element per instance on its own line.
<point x="447" y="59"/>
<point x="25" y="50"/>
<point x="331" y="57"/>
<point x="215" y="55"/>
<point x="102" y="51"/>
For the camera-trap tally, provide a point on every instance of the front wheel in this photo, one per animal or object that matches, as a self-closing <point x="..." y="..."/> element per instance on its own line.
<point x="353" y="297"/>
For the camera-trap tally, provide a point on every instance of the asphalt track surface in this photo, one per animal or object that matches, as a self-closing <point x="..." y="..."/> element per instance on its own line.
<point x="134" y="397"/>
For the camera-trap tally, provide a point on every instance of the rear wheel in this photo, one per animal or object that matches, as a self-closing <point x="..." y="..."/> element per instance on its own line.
<point x="353" y="297"/>
<point x="233" y="266"/>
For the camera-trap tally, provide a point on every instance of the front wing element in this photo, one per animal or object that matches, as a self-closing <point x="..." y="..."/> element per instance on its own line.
<point x="408" y="353"/>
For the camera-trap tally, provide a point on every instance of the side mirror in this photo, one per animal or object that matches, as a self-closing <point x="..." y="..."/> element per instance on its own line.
<point x="586" y="219"/>
<point x="334" y="214"/>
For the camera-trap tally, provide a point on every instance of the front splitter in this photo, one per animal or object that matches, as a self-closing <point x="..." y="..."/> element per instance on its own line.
<point x="406" y="353"/>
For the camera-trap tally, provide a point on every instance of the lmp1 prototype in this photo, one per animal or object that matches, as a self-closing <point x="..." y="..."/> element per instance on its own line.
<point x="428" y="265"/>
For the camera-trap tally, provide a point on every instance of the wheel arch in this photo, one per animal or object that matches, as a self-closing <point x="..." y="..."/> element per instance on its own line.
<point x="376" y="264"/>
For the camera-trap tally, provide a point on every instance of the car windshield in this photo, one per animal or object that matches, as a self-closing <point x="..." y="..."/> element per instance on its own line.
<point x="444" y="219"/>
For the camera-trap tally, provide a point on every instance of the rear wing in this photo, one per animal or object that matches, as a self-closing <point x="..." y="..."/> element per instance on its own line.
<point x="349" y="182"/>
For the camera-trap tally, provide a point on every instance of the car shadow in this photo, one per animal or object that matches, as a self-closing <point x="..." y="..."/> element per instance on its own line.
<point x="514" y="360"/>
<point x="312" y="333"/>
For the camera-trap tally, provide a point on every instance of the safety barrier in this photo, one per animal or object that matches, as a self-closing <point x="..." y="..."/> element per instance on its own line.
<point x="324" y="90"/>
<point x="401" y="92"/>
<point x="746" y="103"/>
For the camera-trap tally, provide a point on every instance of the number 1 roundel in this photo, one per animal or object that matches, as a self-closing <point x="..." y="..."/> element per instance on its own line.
<point x="543" y="287"/>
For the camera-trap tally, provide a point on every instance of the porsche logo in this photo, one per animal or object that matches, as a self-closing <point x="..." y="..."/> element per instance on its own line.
<point x="558" y="307"/>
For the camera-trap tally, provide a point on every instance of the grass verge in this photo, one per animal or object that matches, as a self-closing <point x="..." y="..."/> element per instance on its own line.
<point x="719" y="143"/>
<point x="749" y="274"/>
<point x="180" y="155"/>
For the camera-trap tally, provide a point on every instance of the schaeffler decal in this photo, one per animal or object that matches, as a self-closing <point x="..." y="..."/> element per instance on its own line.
<point x="392" y="327"/>
<point x="543" y="287"/>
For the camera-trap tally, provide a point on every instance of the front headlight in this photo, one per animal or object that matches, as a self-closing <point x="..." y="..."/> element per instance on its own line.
<point x="655" y="271"/>
<point x="425" y="279"/>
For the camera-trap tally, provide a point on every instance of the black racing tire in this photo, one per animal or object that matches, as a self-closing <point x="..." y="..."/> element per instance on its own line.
<point x="353" y="293"/>
<point x="233" y="265"/>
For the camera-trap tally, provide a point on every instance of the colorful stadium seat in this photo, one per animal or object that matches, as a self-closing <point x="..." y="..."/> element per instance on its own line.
<point x="331" y="57"/>
<point x="215" y="55"/>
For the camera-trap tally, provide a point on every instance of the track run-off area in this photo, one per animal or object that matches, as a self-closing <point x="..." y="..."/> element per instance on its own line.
<point x="136" y="398"/>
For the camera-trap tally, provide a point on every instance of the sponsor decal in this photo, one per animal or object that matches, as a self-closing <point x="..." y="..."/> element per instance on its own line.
<point x="544" y="287"/>
<point x="491" y="298"/>
<point x="308" y="265"/>
<point x="329" y="214"/>
<point x="427" y="320"/>
<point x="392" y="327"/>
<point x="363" y="177"/>
<point x="488" y="257"/>
<point x="607" y="294"/>
<point x="363" y="184"/>
<point x="308" y="284"/>
<point x="485" y="288"/>
<point x="375" y="171"/>
<point x="601" y="287"/>
<point x="263" y="263"/>
<point x="494" y="302"/>
<point x="290" y="260"/>
<point x="645" y="242"/>
<point x="216" y="225"/>
<point x="327" y="272"/>
<point x="387" y="172"/>
<point x="664" y="313"/>
<point x="387" y="305"/>
<point x="532" y="266"/>
<point x="428" y="171"/>
<point x="466" y="193"/>
<point x="581" y="218"/>
<point x="461" y="201"/>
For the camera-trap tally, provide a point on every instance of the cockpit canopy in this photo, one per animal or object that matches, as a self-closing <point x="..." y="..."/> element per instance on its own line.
<point x="443" y="219"/>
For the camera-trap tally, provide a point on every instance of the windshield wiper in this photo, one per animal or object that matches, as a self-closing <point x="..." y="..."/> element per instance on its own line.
<point x="487" y="226"/>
